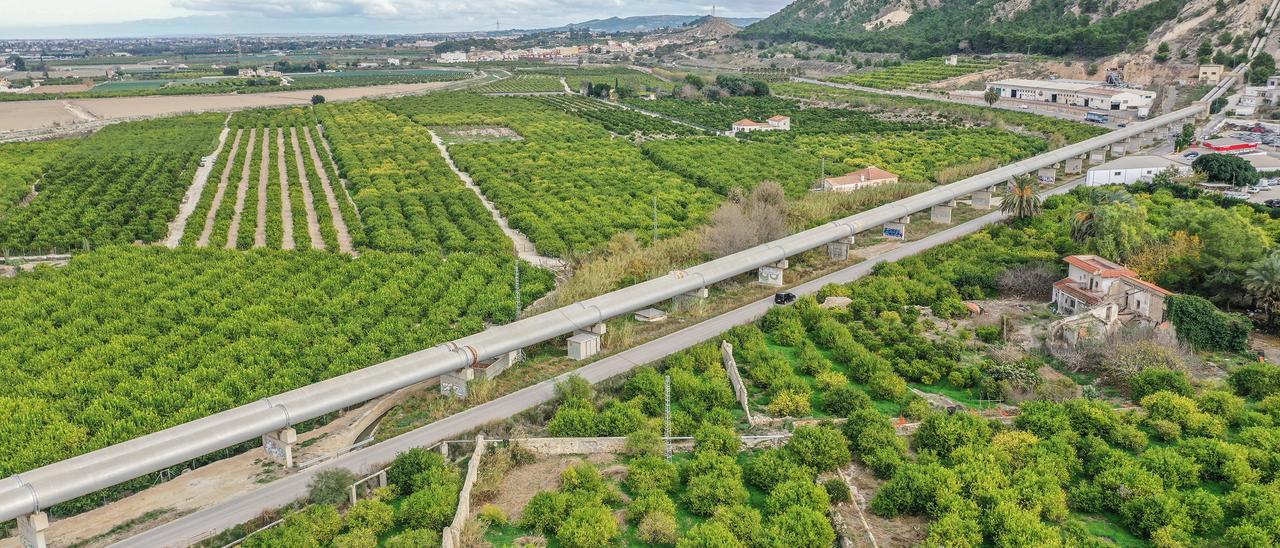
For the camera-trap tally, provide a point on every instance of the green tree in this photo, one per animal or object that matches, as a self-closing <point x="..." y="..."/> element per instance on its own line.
<point x="1262" y="281"/>
<point x="430" y="508"/>
<point x="1262" y="67"/>
<point x="591" y="526"/>
<point x="717" y="439"/>
<point x="17" y="62"/>
<point x="1162" y="53"/>
<point x="317" y="99"/>
<point x="991" y="96"/>
<point x="821" y="448"/>
<point x="1226" y="169"/>
<point x="412" y="463"/>
<point x="800" y="526"/>
<point x="414" y="538"/>
<point x="710" y="534"/>
<point x="331" y="486"/>
<point x="801" y="494"/>
<point x="1022" y="201"/>
<point x="371" y="515"/>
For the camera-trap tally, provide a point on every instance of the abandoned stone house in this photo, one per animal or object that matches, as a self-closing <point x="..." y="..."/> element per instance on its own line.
<point x="1098" y="297"/>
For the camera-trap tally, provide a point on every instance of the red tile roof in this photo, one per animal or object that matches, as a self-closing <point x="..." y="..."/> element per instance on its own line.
<point x="1096" y="265"/>
<point x="779" y="118"/>
<point x="747" y="122"/>
<point x="1069" y="286"/>
<point x="870" y="174"/>
<point x="1148" y="285"/>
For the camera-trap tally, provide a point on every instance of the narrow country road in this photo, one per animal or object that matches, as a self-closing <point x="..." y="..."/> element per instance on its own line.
<point x="214" y="519"/>
<point x="339" y="225"/>
<point x="217" y="196"/>
<point x="189" y="202"/>
<point x="524" y="246"/>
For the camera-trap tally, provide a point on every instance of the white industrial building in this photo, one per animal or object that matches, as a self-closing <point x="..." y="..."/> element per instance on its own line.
<point x="1131" y="169"/>
<point x="1077" y="93"/>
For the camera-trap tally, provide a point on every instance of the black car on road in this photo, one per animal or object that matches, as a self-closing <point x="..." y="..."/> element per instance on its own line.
<point x="784" y="298"/>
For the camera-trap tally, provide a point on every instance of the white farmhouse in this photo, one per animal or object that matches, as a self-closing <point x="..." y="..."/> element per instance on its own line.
<point x="1131" y="169"/>
<point x="747" y="125"/>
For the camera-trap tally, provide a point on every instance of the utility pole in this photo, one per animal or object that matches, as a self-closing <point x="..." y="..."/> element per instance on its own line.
<point x="518" y="289"/>
<point x="666" y="426"/>
<point x="655" y="219"/>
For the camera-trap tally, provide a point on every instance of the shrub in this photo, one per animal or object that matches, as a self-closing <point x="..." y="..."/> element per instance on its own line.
<point x="793" y="494"/>
<point x="1204" y="327"/>
<point x="430" y="508"/>
<point x="492" y="515"/>
<point x="658" y="528"/>
<point x="710" y="534"/>
<point x="411" y="463"/>
<point x="1150" y="381"/>
<point x="651" y="473"/>
<point x="649" y="503"/>
<point x="644" y="442"/>
<point x="371" y="515"/>
<point x="837" y="490"/>
<point x="1225" y="405"/>
<point x="571" y="421"/>
<point x="800" y="526"/>
<point x="821" y="448"/>
<point x="810" y="361"/>
<point x="717" y="439"/>
<point x="945" y="433"/>
<point x="1246" y="535"/>
<point x="415" y="538"/>
<point x="887" y="386"/>
<point x="356" y="538"/>
<point x="1256" y="380"/>
<point x="591" y="526"/>
<point x="989" y="334"/>
<point x="829" y="380"/>
<point x="915" y="489"/>
<point x="1203" y="509"/>
<point x="775" y="466"/>
<point x="544" y="512"/>
<point x="742" y="520"/>
<point x="332" y="486"/>
<point x="789" y="403"/>
<point x="843" y="400"/>
<point x="1166" y="430"/>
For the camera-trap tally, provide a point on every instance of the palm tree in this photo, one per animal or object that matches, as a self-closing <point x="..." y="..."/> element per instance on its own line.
<point x="1262" y="280"/>
<point x="1084" y="223"/>
<point x="1022" y="201"/>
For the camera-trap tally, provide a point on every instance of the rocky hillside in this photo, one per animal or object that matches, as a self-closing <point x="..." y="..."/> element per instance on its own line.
<point x="924" y="28"/>
<point x="709" y="28"/>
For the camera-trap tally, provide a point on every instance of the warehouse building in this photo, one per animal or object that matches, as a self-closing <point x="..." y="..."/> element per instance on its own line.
<point x="1131" y="169"/>
<point x="1085" y="94"/>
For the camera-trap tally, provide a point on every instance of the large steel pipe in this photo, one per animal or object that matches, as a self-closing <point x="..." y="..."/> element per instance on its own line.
<point x="62" y="481"/>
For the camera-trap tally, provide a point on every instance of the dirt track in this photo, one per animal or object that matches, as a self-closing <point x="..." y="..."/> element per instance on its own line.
<point x="233" y="231"/>
<point x="313" y="222"/>
<point x="20" y="115"/>
<point x="340" y="226"/>
<point x="207" y="232"/>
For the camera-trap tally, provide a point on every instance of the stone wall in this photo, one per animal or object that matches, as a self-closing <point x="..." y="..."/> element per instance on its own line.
<point x="450" y="537"/>
<point x="547" y="447"/>
<point x="740" y="390"/>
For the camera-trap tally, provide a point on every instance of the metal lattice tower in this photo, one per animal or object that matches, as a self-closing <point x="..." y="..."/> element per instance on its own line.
<point x="666" y="422"/>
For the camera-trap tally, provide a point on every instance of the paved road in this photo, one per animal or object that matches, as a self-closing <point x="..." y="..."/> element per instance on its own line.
<point x="214" y="519"/>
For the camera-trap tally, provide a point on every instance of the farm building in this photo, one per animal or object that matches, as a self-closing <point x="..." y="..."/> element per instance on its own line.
<point x="1263" y="162"/>
<point x="1131" y="169"/>
<point x="1211" y="74"/>
<point x="1099" y="297"/>
<point x="1077" y="93"/>
<point x="776" y="123"/>
<point x="863" y="178"/>
<point x="1227" y="144"/>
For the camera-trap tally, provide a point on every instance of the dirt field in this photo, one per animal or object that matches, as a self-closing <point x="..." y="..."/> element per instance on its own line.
<point x="523" y="482"/>
<point x="20" y="115"/>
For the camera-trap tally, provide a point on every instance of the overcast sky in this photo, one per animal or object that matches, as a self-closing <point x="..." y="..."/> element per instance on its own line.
<point x="430" y="15"/>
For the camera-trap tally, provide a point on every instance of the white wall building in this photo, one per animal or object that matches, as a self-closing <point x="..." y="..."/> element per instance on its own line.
<point x="1078" y="93"/>
<point x="1131" y="169"/>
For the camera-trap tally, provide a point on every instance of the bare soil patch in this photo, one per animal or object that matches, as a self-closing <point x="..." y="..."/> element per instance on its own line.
<point x="264" y="172"/>
<point x="899" y="531"/>
<point x="523" y="482"/>
<point x="241" y="191"/>
<point x="308" y="201"/>
<point x="286" y="208"/>
<point x="339" y="224"/>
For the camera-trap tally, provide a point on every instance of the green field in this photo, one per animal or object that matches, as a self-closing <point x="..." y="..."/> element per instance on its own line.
<point x="129" y="85"/>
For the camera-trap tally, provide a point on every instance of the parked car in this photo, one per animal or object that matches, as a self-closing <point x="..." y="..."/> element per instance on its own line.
<point x="1237" y="195"/>
<point x="1274" y="202"/>
<point x="1191" y="155"/>
<point x="1023" y="107"/>
<point x="1252" y="189"/>
<point x="784" y="298"/>
<point x="1121" y="124"/>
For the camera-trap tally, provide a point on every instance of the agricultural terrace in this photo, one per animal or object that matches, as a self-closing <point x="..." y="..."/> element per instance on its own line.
<point x="21" y="167"/>
<point x="721" y="114"/>
<point x="120" y="185"/>
<point x="617" y="119"/>
<point x="524" y="83"/>
<point x="274" y="185"/>
<point x="1056" y="130"/>
<point x="126" y="341"/>
<point x="621" y="78"/>
<point x="568" y="185"/>
<point x="408" y="198"/>
<point x="915" y="73"/>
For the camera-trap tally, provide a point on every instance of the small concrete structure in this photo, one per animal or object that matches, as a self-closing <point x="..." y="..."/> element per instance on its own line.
<point x="583" y="346"/>
<point x="771" y="275"/>
<point x="839" y="249"/>
<point x="454" y="383"/>
<point x="981" y="199"/>
<point x="941" y="213"/>
<point x="31" y="528"/>
<point x="1047" y="175"/>
<point x="688" y="299"/>
<point x="279" y="446"/>
<point x="1118" y="148"/>
<point x="1131" y="169"/>
<point x="493" y="368"/>
<point x="1074" y="165"/>
<point x="895" y="231"/>
<point x="650" y="315"/>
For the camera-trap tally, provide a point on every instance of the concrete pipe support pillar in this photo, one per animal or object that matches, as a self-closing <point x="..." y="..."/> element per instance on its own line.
<point x="1047" y="175"/>
<point x="279" y="446"/>
<point x="585" y="343"/>
<point x="1097" y="156"/>
<point x="941" y="213"/>
<point x="31" y="528"/>
<point x="772" y="275"/>
<point x="1074" y="165"/>
<point x="1118" y="148"/>
<point x="839" y="249"/>
<point x="981" y="199"/>
<point x="685" y="300"/>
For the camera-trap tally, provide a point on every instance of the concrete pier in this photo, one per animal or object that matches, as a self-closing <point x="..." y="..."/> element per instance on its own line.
<point x="772" y="275"/>
<point x="1074" y="165"/>
<point x="279" y="446"/>
<point x="31" y="528"/>
<point x="839" y="249"/>
<point x="941" y="213"/>
<point x="981" y="199"/>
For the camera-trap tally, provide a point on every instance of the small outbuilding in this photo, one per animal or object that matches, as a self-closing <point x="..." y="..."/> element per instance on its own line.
<point x="863" y="178"/>
<point x="1131" y="169"/>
